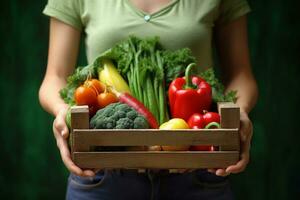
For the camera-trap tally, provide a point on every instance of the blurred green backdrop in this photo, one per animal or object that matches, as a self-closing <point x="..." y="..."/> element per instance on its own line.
<point x="30" y="163"/>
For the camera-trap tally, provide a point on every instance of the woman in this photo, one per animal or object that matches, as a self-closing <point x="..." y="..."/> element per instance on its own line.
<point x="197" y="24"/>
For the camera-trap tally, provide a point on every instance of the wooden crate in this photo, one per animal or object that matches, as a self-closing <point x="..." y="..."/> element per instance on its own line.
<point x="227" y="138"/>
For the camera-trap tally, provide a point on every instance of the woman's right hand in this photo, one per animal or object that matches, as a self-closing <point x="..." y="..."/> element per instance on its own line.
<point x="61" y="134"/>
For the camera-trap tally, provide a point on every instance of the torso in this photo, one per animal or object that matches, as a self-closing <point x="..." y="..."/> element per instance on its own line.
<point x="178" y="23"/>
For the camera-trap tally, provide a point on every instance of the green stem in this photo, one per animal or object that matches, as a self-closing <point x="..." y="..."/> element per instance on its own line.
<point x="212" y="124"/>
<point x="137" y="68"/>
<point x="161" y="95"/>
<point x="132" y="80"/>
<point x="151" y="98"/>
<point x="188" y="76"/>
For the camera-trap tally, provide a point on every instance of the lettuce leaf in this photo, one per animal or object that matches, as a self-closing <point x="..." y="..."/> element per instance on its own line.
<point x="218" y="89"/>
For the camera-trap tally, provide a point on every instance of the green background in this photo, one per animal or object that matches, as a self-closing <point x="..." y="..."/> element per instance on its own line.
<point x="30" y="163"/>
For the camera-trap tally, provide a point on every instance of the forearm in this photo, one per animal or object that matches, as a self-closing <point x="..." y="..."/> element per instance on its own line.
<point x="63" y="50"/>
<point x="233" y="51"/>
<point x="247" y="91"/>
<point x="49" y="94"/>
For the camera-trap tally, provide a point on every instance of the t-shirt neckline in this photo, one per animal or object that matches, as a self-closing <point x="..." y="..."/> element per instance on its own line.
<point x="142" y="13"/>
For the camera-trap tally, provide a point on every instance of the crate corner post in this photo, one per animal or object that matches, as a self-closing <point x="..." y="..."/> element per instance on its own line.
<point x="80" y="117"/>
<point x="79" y="120"/>
<point x="230" y="119"/>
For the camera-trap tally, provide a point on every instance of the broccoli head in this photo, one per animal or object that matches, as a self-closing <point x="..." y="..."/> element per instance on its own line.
<point x="118" y="116"/>
<point x="140" y="122"/>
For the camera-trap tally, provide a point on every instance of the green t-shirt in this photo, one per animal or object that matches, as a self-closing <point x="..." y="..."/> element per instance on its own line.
<point x="181" y="23"/>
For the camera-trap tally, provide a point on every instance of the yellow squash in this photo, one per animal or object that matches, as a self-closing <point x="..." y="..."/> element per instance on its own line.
<point x="175" y="123"/>
<point x="110" y="76"/>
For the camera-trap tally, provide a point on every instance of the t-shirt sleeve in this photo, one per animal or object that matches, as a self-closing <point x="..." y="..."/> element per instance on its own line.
<point x="232" y="9"/>
<point x="67" y="11"/>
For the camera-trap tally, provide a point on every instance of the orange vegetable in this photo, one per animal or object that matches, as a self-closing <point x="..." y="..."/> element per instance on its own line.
<point x="106" y="98"/>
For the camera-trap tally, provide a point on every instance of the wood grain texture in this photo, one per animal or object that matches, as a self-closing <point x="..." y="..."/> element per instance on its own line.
<point x="150" y="137"/>
<point x="230" y="115"/>
<point x="80" y="117"/>
<point x="79" y="120"/>
<point x="155" y="160"/>
<point x="230" y="118"/>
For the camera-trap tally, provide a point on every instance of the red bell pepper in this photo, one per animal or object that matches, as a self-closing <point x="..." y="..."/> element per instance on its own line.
<point x="189" y="95"/>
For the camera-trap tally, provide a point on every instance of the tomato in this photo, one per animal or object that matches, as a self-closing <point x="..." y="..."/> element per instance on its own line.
<point x="85" y="96"/>
<point x="106" y="98"/>
<point x="196" y="121"/>
<point x="211" y="117"/>
<point x="96" y="85"/>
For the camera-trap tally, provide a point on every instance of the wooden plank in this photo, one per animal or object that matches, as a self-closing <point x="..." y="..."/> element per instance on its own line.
<point x="157" y="137"/>
<point x="230" y="115"/>
<point x="156" y="160"/>
<point x="80" y="117"/>
<point x="230" y="118"/>
<point x="79" y="120"/>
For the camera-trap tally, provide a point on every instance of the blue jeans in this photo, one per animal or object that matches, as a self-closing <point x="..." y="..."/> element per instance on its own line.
<point x="130" y="185"/>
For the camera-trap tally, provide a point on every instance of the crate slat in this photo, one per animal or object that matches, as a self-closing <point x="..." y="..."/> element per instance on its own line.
<point x="156" y="160"/>
<point x="85" y="138"/>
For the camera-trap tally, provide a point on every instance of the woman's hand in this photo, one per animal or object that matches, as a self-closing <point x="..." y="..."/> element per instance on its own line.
<point x="246" y="131"/>
<point x="61" y="134"/>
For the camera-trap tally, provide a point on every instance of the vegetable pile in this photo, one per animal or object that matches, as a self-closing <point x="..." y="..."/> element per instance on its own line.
<point x="137" y="84"/>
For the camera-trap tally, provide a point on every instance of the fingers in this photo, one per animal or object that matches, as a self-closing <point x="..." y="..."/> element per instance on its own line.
<point x="244" y="159"/>
<point x="246" y="128"/>
<point x="222" y="172"/>
<point x="241" y="165"/>
<point x="61" y="133"/>
<point x="60" y="126"/>
<point x="66" y="158"/>
<point x="219" y="172"/>
<point x="246" y="132"/>
<point x="213" y="171"/>
<point x="244" y="156"/>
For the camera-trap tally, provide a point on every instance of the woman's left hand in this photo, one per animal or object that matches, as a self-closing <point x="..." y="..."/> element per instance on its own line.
<point x="246" y="131"/>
